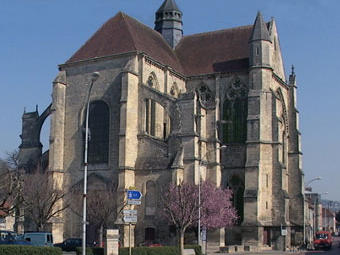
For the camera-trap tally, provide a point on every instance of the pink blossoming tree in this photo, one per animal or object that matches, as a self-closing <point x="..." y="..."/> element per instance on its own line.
<point x="181" y="205"/>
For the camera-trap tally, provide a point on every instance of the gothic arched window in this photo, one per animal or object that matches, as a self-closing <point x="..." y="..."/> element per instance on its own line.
<point x="150" y="118"/>
<point x="150" y="198"/>
<point x="152" y="81"/>
<point x="157" y="121"/>
<point x="99" y="124"/>
<point x="235" y="111"/>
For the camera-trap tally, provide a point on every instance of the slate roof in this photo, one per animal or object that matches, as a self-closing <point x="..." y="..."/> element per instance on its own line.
<point x="219" y="51"/>
<point x="168" y="5"/>
<point x="260" y="31"/>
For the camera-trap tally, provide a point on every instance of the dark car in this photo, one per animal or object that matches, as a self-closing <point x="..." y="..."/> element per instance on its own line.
<point x="69" y="244"/>
<point x="10" y="237"/>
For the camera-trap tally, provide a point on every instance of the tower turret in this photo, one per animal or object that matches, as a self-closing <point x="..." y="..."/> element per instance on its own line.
<point x="169" y="22"/>
<point x="259" y="43"/>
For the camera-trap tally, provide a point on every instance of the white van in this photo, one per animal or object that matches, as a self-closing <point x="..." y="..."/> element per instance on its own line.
<point x="39" y="238"/>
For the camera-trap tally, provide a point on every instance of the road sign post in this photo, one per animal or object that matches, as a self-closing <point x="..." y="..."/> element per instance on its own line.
<point x="130" y="216"/>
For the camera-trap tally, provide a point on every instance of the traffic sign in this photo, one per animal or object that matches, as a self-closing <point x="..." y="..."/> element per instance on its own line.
<point x="134" y="202"/>
<point x="130" y="219"/>
<point x="130" y="212"/>
<point x="134" y="194"/>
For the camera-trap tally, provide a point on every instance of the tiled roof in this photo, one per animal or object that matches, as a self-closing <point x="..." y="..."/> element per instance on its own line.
<point x="218" y="51"/>
<point x="122" y="34"/>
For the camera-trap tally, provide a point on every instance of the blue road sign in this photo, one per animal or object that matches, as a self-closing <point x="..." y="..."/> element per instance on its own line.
<point x="134" y="194"/>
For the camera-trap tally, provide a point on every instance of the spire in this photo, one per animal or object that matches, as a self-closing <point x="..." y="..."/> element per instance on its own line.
<point x="260" y="30"/>
<point x="169" y="22"/>
<point x="292" y="76"/>
<point x="168" y="5"/>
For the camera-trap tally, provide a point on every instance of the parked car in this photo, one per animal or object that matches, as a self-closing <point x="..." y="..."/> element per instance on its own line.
<point x="10" y="237"/>
<point x="69" y="244"/>
<point x="39" y="238"/>
<point x="323" y="239"/>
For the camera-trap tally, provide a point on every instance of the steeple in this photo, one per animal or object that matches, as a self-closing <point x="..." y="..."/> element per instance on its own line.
<point x="169" y="22"/>
<point x="260" y="30"/>
<point x="259" y="43"/>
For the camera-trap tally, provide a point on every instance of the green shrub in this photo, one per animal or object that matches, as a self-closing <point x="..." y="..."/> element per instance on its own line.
<point x="28" y="250"/>
<point x="91" y="251"/>
<point x="163" y="250"/>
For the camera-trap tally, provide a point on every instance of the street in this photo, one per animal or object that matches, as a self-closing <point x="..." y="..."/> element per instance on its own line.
<point x="334" y="251"/>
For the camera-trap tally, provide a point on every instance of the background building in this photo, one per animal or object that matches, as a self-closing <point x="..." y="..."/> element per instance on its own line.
<point x="160" y="110"/>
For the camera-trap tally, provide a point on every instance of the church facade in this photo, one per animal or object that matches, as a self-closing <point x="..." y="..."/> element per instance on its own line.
<point x="160" y="111"/>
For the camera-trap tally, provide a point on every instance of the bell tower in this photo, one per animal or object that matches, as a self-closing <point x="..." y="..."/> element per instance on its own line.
<point x="169" y="22"/>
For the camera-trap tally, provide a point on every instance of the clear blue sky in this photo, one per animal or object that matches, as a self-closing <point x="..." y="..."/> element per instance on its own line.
<point x="37" y="35"/>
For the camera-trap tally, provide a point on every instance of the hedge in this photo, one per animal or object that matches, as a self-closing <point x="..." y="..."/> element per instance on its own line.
<point x="28" y="250"/>
<point x="163" y="250"/>
<point x="91" y="251"/>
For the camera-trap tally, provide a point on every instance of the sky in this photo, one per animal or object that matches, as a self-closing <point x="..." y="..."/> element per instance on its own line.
<point x="38" y="35"/>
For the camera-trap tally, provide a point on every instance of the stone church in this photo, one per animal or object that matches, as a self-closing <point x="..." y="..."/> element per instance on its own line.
<point x="161" y="109"/>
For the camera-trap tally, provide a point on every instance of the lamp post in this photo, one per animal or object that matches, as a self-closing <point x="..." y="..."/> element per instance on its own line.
<point x="199" y="196"/>
<point x="94" y="77"/>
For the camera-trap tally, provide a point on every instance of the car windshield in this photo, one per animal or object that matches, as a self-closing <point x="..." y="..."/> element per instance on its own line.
<point x="321" y="236"/>
<point x="6" y="235"/>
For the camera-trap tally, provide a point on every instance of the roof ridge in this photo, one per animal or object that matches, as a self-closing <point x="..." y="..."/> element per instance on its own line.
<point x="128" y="28"/>
<point x="218" y="31"/>
<point x="155" y="33"/>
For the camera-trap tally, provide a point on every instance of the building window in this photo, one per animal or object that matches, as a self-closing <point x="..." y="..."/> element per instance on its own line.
<point x="150" y="118"/>
<point x="150" y="199"/>
<point x="152" y="81"/>
<point x="235" y="112"/>
<point x="157" y="121"/>
<point x="98" y="150"/>
<point x="236" y="184"/>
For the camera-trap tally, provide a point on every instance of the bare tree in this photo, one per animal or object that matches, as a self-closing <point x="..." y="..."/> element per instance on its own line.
<point x="10" y="184"/>
<point x="42" y="200"/>
<point x="101" y="207"/>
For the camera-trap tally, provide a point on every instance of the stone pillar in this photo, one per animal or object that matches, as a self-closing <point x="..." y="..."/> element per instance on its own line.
<point x="112" y="242"/>
<point x="56" y="153"/>
<point x="128" y="143"/>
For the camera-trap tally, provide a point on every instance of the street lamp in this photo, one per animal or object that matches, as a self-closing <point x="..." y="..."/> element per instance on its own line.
<point x="94" y="77"/>
<point x="199" y="195"/>
<point x="318" y="178"/>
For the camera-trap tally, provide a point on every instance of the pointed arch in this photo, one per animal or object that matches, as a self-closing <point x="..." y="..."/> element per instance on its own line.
<point x="235" y="112"/>
<point x="150" y="198"/>
<point x="279" y="95"/>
